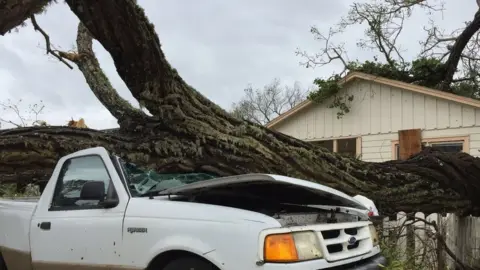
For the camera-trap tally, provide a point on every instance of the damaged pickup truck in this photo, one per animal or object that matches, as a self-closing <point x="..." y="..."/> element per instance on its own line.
<point x="100" y="212"/>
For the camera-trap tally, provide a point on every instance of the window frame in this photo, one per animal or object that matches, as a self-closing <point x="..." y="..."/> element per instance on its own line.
<point x="52" y="208"/>
<point x="465" y="140"/>
<point x="358" y="143"/>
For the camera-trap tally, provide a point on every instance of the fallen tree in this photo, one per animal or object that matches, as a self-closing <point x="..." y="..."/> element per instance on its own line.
<point x="188" y="133"/>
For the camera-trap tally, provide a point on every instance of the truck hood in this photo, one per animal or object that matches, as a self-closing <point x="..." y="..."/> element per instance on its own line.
<point x="281" y="189"/>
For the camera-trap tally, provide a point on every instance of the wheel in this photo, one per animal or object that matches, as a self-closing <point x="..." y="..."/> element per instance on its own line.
<point x="189" y="263"/>
<point x="2" y="263"/>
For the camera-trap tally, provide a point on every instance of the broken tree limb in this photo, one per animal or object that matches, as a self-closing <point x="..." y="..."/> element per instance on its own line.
<point x="99" y="83"/>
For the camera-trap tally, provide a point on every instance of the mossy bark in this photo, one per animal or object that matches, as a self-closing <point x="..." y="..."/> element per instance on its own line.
<point x="428" y="182"/>
<point x="187" y="132"/>
<point x="14" y="13"/>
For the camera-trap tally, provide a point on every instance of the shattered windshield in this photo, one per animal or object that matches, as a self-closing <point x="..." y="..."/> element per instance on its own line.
<point x="145" y="181"/>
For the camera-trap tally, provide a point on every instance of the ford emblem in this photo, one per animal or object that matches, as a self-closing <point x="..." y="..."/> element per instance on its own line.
<point x="352" y="240"/>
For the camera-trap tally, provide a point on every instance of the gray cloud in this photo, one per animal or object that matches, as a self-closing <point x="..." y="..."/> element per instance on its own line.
<point x="218" y="46"/>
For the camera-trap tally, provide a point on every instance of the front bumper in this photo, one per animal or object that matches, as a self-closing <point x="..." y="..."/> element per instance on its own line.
<point x="371" y="263"/>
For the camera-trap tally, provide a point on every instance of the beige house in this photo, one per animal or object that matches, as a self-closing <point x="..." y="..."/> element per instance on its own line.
<point x="380" y="108"/>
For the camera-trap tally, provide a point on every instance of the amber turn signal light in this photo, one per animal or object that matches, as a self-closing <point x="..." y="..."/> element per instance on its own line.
<point x="280" y="248"/>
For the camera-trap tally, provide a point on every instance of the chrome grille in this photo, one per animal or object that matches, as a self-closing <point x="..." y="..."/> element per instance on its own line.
<point x="345" y="240"/>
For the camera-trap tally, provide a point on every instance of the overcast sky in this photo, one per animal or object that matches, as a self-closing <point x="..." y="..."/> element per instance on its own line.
<point x="218" y="46"/>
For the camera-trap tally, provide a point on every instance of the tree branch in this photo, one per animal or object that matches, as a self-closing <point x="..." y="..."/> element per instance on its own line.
<point x="47" y="42"/>
<point x="99" y="83"/>
<point x="140" y="62"/>
<point x="457" y="50"/>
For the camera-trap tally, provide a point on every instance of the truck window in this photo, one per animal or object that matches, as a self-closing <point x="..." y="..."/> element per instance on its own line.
<point x="83" y="183"/>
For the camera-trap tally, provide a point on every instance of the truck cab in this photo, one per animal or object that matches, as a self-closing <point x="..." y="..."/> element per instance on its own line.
<point x="99" y="211"/>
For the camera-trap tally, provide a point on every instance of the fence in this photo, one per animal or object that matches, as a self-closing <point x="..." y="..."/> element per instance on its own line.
<point x="413" y="240"/>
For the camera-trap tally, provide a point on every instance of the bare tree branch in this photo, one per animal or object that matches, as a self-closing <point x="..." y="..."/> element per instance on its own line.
<point x="329" y="53"/>
<point x="47" y="42"/>
<point x="457" y="49"/>
<point x="28" y="117"/>
<point x="97" y="80"/>
<point x="262" y="106"/>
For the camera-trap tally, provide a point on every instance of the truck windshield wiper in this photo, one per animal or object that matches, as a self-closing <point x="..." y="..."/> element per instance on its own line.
<point x="152" y="191"/>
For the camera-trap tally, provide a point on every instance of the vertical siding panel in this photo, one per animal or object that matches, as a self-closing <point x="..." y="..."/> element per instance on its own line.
<point x="468" y="116"/>
<point x="288" y="128"/>
<point x="418" y="111"/>
<point x="347" y="121"/>
<point x="294" y="124"/>
<point x="455" y="114"/>
<point x="375" y="109"/>
<point x="310" y="114"/>
<point x="477" y="116"/>
<point x="407" y="109"/>
<point x="328" y="121"/>
<point x="303" y="125"/>
<point x="356" y="108"/>
<point x="365" y="107"/>
<point x="319" y="122"/>
<point x="396" y="108"/>
<point x="386" y="112"/>
<point x="430" y="112"/>
<point x="442" y="114"/>
<point x="337" y="124"/>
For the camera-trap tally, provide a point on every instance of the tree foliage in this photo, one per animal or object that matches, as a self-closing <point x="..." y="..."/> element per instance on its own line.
<point x="446" y="61"/>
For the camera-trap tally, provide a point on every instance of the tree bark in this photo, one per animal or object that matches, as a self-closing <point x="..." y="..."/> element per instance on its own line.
<point x="457" y="50"/>
<point x="430" y="182"/>
<point x="14" y="13"/>
<point x="188" y="133"/>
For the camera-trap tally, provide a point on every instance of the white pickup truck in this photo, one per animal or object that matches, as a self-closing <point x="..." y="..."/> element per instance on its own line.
<point x="99" y="212"/>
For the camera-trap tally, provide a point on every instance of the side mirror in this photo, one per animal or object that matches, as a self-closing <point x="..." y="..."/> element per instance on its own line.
<point x="109" y="203"/>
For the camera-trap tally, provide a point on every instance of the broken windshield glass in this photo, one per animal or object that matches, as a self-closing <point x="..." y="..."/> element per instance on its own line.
<point x="142" y="181"/>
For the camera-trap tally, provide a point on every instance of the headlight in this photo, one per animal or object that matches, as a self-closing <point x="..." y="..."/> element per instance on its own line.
<point x="291" y="247"/>
<point x="374" y="235"/>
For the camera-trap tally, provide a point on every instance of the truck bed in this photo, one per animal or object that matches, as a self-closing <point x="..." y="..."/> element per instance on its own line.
<point x="15" y="216"/>
<point x="20" y="199"/>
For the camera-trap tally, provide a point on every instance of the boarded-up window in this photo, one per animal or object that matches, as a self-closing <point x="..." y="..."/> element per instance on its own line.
<point x="327" y="144"/>
<point x="410" y="141"/>
<point x="347" y="146"/>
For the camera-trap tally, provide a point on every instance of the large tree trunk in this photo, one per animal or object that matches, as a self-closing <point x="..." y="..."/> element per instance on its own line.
<point x="187" y="132"/>
<point x="13" y="13"/>
<point x="428" y="182"/>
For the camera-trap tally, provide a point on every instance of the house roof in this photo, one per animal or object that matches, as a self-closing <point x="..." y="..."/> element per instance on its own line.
<point x="381" y="80"/>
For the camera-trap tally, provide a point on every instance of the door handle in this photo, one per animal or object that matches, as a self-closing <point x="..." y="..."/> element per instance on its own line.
<point x="45" y="226"/>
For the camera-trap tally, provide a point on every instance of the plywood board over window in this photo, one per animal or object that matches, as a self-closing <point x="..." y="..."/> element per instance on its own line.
<point x="410" y="143"/>
<point x="447" y="144"/>
<point x="350" y="146"/>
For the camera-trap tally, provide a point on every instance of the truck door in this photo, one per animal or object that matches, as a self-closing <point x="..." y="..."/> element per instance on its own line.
<point x="79" y="217"/>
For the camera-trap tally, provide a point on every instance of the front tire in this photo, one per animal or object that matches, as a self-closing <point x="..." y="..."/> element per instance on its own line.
<point x="2" y="263"/>
<point x="188" y="263"/>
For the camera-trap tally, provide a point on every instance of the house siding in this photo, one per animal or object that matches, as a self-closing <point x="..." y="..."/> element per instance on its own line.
<point x="378" y="148"/>
<point x="378" y="112"/>
<point x="378" y="109"/>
